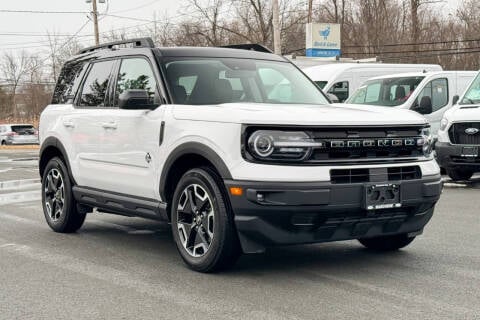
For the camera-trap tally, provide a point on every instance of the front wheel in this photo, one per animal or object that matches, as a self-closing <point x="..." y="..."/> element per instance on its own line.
<point x="459" y="174"/>
<point x="202" y="222"/>
<point x="387" y="243"/>
<point x="61" y="211"/>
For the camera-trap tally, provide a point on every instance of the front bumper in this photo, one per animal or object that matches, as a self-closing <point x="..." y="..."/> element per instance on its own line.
<point x="450" y="156"/>
<point x="296" y="213"/>
<point x="22" y="141"/>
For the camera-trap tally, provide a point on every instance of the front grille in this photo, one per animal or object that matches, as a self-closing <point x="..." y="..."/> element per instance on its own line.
<point x="339" y="176"/>
<point x="366" y="144"/>
<point x="458" y="135"/>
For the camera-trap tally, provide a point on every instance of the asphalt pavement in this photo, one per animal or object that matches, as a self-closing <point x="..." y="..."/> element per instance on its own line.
<point x="128" y="268"/>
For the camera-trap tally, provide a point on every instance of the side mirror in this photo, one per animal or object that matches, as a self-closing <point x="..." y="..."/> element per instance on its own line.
<point x="333" y="98"/>
<point x="455" y="99"/>
<point x="135" y="99"/>
<point x="425" y="106"/>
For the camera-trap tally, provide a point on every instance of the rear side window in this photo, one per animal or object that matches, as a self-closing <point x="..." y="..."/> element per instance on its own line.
<point x="68" y="82"/>
<point x="23" y="129"/>
<point x="95" y="87"/>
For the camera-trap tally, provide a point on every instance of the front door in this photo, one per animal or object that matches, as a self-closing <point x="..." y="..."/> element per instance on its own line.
<point x="437" y="90"/>
<point x="131" y="137"/>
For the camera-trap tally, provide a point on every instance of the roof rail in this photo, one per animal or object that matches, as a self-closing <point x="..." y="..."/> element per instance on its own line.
<point x="249" y="46"/>
<point x="136" y="43"/>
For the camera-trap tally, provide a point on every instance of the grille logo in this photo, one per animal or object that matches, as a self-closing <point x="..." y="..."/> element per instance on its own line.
<point x="380" y="143"/>
<point x="471" y="131"/>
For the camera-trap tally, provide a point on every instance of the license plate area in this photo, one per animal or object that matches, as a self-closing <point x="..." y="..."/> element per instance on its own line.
<point x="470" y="152"/>
<point x="382" y="196"/>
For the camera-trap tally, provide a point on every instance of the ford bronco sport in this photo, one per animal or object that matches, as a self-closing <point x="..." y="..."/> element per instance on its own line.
<point x="236" y="148"/>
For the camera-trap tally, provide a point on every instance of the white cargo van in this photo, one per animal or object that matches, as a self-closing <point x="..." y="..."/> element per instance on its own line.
<point x="342" y="79"/>
<point x="428" y="93"/>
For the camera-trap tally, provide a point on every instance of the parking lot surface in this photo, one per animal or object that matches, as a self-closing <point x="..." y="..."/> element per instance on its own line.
<point x="128" y="268"/>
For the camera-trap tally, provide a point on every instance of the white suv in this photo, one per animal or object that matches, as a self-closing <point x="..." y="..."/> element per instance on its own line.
<point x="238" y="149"/>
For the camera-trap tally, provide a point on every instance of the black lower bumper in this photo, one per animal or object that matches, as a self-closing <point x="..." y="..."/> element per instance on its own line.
<point x="451" y="156"/>
<point x="270" y="214"/>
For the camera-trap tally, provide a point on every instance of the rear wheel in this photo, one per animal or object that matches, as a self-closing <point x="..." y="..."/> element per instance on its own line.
<point x="4" y="143"/>
<point x="61" y="211"/>
<point x="459" y="174"/>
<point x="202" y="222"/>
<point x="387" y="243"/>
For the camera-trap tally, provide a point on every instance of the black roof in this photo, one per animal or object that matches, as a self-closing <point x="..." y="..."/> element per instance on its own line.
<point x="217" y="52"/>
<point x="146" y="46"/>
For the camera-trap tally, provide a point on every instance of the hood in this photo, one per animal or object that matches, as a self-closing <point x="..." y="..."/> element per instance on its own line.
<point x="259" y="113"/>
<point x="466" y="113"/>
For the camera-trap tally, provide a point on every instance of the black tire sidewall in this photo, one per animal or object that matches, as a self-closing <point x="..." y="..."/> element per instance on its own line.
<point x="221" y="219"/>
<point x="69" y="206"/>
<point x="459" y="174"/>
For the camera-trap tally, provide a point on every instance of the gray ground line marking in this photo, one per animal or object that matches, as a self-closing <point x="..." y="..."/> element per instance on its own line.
<point x="125" y="279"/>
<point x="16" y="197"/>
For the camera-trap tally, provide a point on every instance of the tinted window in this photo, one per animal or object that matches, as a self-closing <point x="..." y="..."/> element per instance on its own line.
<point x="28" y="129"/>
<point x="226" y="80"/>
<point x="96" y="85"/>
<point x="321" y="84"/>
<point x="68" y="82"/>
<point x="137" y="74"/>
<point x="437" y="90"/>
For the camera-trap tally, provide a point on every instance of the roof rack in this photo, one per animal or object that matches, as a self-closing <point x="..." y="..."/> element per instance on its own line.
<point x="249" y="46"/>
<point x="136" y="43"/>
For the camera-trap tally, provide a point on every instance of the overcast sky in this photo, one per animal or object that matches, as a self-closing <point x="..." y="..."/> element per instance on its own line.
<point x="28" y="30"/>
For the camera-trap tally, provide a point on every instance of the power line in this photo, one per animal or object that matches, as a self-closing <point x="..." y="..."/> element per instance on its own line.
<point x="43" y="12"/>
<point x="409" y="51"/>
<point x="130" y="18"/>
<point x="412" y="44"/>
<point x="135" y="8"/>
<point x="430" y="55"/>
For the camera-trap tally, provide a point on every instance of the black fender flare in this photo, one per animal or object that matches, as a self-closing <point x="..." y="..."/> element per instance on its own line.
<point x="54" y="142"/>
<point x="192" y="148"/>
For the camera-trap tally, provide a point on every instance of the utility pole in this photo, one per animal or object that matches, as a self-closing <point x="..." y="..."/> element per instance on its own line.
<point x="309" y="18"/>
<point x="277" y="45"/>
<point x="95" y="22"/>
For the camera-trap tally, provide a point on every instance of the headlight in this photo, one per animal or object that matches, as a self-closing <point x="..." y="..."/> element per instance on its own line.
<point x="281" y="145"/>
<point x="443" y="124"/>
<point x="426" y="142"/>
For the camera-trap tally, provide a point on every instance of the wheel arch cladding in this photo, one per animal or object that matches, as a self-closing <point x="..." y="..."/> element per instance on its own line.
<point x="185" y="157"/>
<point x="51" y="148"/>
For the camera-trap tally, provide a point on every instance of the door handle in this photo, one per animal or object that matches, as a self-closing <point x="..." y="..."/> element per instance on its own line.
<point x="68" y="124"/>
<point x="109" y="125"/>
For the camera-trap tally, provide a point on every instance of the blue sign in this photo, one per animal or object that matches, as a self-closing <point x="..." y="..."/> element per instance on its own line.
<point x="324" y="53"/>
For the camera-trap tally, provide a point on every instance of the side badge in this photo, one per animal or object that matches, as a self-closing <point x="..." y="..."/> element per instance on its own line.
<point x="148" y="157"/>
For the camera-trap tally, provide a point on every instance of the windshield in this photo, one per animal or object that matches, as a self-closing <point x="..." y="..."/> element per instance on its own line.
<point x="321" y="84"/>
<point x="472" y="95"/>
<point x="387" y="92"/>
<point x="198" y="81"/>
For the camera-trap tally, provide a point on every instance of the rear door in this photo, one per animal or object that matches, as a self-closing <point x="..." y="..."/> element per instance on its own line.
<point x="130" y="148"/>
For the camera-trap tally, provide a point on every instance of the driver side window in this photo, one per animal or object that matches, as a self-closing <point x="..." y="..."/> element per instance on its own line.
<point x="437" y="90"/>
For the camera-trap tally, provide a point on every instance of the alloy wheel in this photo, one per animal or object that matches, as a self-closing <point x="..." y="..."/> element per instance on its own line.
<point x="54" y="194"/>
<point x="195" y="220"/>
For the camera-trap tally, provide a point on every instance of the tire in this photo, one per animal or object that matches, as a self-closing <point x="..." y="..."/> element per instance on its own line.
<point x="202" y="222"/>
<point x="387" y="243"/>
<point x="4" y="143"/>
<point x="459" y="174"/>
<point x="67" y="215"/>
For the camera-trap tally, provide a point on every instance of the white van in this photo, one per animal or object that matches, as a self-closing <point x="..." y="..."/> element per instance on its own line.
<point x="342" y="79"/>
<point x="428" y="93"/>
